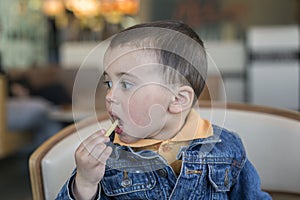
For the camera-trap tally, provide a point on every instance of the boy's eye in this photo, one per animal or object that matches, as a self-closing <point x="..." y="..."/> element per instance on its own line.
<point x="126" y="85"/>
<point x="108" y="84"/>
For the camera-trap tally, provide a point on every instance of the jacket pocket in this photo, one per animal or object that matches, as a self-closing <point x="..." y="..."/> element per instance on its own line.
<point x="220" y="176"/>
<point x="117" y="182"/>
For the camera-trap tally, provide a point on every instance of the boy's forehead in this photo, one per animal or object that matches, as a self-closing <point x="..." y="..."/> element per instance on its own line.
<point x="129" y="55"/>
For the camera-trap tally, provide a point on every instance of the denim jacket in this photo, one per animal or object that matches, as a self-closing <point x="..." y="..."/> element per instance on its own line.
<point x="212" y="168"/>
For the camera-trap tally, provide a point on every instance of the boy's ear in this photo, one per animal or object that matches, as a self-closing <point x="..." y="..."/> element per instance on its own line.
<point x="182" y="101"/>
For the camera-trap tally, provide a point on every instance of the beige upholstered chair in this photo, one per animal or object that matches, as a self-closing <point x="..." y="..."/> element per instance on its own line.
<point x="9" y="141"/>
<point x="271" y="137"/>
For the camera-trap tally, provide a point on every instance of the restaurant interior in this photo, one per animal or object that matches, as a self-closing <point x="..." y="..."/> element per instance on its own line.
<point x="252" y="48"/>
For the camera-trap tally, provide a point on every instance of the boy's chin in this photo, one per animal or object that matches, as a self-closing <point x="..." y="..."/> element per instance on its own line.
<point x="128" y="139"/>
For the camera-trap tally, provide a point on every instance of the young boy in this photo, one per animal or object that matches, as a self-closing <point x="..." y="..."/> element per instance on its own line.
<point x="162" y="149"/>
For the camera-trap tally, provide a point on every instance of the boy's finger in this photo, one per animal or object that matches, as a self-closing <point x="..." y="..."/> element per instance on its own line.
<point x="88" y="140"/>
<point x="105" y="155"/>
<point x="101" y="132"/>
<point x="98" y="150"/>
<point x="96" y="134"/>
<point x="97" y="141"/>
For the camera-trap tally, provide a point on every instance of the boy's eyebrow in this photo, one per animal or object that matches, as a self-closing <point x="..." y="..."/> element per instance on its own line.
<point x="104" y="74"/>
<point x="120" y="74"/>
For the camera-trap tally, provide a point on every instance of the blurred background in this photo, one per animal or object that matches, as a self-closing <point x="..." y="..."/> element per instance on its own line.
<point x="254" y="44"/>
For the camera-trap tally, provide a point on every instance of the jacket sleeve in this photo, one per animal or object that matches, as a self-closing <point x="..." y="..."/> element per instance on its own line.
<point x="66" y="192"/>
<point x="247" y="186"/>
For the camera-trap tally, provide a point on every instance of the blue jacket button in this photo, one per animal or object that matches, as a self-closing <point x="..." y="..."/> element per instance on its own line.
<point x="162" y="173"/>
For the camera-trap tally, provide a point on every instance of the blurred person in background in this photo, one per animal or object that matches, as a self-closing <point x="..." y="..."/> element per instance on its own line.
<point x="28" y="110"/>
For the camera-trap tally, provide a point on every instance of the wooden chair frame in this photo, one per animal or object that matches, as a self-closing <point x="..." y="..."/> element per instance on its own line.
<point x="38" y="155"/>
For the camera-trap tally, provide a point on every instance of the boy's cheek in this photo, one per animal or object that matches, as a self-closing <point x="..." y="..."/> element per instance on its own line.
<point x="146" y="107"/>
<point x="138" y="114"/>
<point x="146" y="118"/>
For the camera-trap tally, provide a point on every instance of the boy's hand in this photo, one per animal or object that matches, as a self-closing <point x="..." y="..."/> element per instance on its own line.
<point x="90" y="157"/>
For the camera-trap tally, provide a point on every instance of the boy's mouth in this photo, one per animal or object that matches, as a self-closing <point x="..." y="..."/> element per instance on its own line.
<point x="118" y="130"/>
<point x="114" y="117"/>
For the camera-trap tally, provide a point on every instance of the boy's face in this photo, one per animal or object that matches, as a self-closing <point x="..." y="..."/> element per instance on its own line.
<point x="137" y="95"/>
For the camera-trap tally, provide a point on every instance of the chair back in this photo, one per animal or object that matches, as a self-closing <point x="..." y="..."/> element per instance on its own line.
<point x="271" y="138"/>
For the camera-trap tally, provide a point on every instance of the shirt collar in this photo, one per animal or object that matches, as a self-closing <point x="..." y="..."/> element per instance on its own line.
<point x="194" y="128"/>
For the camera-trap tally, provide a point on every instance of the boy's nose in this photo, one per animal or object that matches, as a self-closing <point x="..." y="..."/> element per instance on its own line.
<point x="110" y="97"/>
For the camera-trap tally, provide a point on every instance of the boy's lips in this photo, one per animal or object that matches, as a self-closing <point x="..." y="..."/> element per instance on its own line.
<point x="114" y="117"/>
<point x="118" y="130"/>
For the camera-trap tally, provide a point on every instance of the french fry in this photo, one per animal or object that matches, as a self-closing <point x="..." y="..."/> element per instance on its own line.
<point x="111" y="128"/>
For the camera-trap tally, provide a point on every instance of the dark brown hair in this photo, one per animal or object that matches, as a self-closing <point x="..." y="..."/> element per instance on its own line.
<point x="193" y="73"/>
